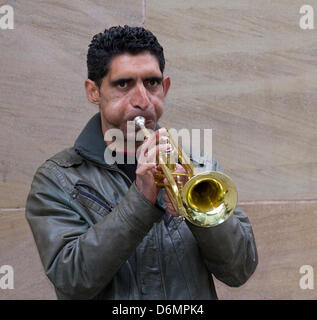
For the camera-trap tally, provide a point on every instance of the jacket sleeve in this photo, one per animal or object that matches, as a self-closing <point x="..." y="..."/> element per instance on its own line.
<point x="79" y="259"/>
<point x="229" y="249"/>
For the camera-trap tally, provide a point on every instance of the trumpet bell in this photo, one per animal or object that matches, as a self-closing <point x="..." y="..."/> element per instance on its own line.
<point x="209" y="199"/>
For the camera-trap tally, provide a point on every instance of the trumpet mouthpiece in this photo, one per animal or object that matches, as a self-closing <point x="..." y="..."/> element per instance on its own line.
<point x="139" y="121"/>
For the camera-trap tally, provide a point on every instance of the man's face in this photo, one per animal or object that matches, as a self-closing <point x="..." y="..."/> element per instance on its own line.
<point x="133" y="86"/>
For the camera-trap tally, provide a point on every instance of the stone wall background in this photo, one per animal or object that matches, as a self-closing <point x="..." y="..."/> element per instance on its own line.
<point x="243" y="68"/>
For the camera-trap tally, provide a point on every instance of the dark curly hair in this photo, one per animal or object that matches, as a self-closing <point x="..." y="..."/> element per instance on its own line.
<point x="118" y="40"/>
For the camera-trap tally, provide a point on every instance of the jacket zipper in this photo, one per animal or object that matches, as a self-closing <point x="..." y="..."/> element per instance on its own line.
<point x="103" y="203"/>
<point x="167" y="221"/>
<point x="94" y="198"/>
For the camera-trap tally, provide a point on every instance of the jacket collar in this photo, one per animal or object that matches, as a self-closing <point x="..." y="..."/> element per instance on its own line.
<point x="90" y="143"/>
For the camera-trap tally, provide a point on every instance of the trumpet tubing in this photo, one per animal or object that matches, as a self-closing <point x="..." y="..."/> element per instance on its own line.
<point x="207" y="199"/>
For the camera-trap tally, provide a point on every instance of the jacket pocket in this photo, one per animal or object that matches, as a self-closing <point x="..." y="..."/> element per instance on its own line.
<point x="91" y="199"/>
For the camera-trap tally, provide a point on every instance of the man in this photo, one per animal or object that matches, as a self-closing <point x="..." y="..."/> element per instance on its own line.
<point x="105" y="231"/>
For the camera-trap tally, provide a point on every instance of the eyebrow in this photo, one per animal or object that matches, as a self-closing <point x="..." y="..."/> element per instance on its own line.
<point x="117" y="81"/>
<point x="158" y="79"/>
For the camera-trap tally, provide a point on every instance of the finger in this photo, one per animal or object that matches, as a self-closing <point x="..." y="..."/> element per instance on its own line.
<point x="167" y="199"/>
<point x="145" y="169"/>
<point x="155" y="170"/>
<point x="155" y="137"/>
<point x="145" y="147"/>
<point x="150" y="155"/>
<point x="179" y="168"/>
<point x="169" y="204"/>
<point x="171" y="211"/>
<point x="152" y="140"/>
<point x="160" y="133"/>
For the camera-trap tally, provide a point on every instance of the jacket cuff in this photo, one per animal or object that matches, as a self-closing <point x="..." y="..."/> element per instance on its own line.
<point x="216" y="235"/>
<point x="138" y="211"/>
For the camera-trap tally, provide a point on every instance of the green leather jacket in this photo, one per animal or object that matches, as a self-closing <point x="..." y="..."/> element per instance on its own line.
<point x="99" y="238"/>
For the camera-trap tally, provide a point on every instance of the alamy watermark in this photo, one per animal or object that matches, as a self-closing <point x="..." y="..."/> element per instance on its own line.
<point x="6" y="277"/>
<point x="306" y="281"/>
<point x="131" y="142"/>
<point x="6" y="17"/>
<point x="306" y="21"/>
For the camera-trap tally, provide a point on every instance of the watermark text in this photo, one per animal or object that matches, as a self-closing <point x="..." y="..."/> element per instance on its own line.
<point x="6" y="17"/>
<point x="306" y="21"/>
<point x="307" y="279"/>
<point x="132" y="142"/>
<point x="6" y="277"/>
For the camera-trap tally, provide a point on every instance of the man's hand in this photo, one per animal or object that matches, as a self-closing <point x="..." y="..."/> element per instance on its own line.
<point x="147" y="167"/>
<point x="147" y="154"/>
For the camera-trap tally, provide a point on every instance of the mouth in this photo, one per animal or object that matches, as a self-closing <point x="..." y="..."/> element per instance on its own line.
<point x="149" y="123"/>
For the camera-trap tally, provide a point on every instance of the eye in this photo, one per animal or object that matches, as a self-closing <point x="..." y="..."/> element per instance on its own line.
<point x="122" y="84"/>
<point x="153" y="82"/>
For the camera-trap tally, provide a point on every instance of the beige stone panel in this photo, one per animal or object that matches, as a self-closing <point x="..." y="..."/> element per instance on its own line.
<point x="43" y="106"/>
<point x="285" y="234"/>
<point x="18" y="249"/>
<point x="246" y="70"/>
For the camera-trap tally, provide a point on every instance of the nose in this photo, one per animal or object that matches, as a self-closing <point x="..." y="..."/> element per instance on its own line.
<point x="140" y="97"/>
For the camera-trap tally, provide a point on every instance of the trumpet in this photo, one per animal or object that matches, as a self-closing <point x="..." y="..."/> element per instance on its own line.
<point x="207" y="199"/>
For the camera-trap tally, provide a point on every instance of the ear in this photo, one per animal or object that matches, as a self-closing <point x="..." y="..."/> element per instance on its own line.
<point x="166" y="85"/>
<point x="92" y="91"/>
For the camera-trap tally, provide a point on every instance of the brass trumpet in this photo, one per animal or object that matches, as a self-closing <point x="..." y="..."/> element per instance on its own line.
<point x="207" y="199"/>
